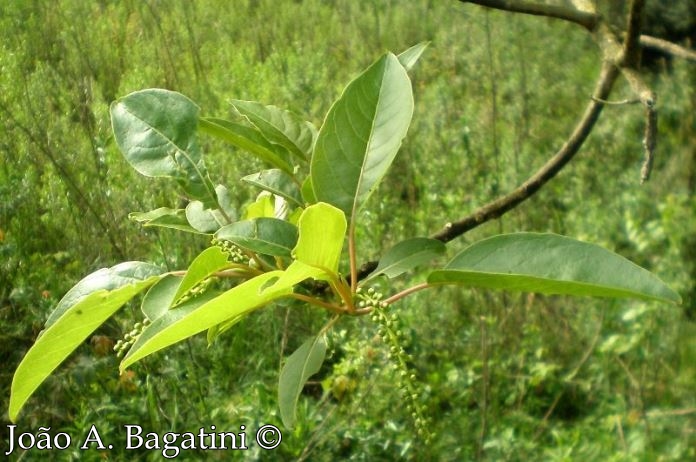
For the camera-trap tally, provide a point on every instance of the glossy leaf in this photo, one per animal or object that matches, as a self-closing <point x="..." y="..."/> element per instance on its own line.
<point x="408" y="254"/>
<point x="156" y="132"/>
<point x="300" y="366"/>
<point x="551" y="264"/>
<point x="207" y="263"/>
<point x="268" y="236"/>
<point x="361" y="135"/>
<point x="249" y="139"/>
<point x="410" y="57"/>
<point x="276" y="182"/>
<point x="164" y="217"/>
<point x="279" y="126"/>
<point x="196" y="316"/>
<point x="83" y="309"/>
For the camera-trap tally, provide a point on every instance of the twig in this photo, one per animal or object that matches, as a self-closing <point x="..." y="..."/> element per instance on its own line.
<point x="585" y="19"/>
<point x="498" y="207"/>
<point x="668" y="47"/>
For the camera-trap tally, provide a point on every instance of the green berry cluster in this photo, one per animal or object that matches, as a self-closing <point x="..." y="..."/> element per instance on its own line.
<point x="370" y="298"/>
<point x="235" y="254"/>
<point x="129" y="339"/>
<point x="393" y="336"/>
<point x="195" y="291"/>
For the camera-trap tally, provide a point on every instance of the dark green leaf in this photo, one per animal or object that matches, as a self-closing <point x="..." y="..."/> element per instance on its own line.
<point x="551" y="264"/>
<point x="156" y="132"/>
<point x="300" y="366"/>
<point x="276" y="182"/>
<point x="361" y="135"/>
<point x="268" y="236"/>
<point x="160" y="297"/>
<point x="279" y="126"/>
<point x="408" y="254"/>
<point x="249" y="139"/>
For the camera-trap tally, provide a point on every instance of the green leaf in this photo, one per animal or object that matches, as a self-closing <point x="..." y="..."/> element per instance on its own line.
<point x="410" y="57"/>
<point x="408" y="254"/>
<point x="276" y="182"/>
<point x="361" y="135"/>
<point x="263" y="207"/>
<point x="207" y="263"/>
<point x="202" y="313"/>
<point x="156" y="132"/>
<point x="202" y="219"/>
<point x="300" y="366"/>
<point x="83" y="309"/>
<point x="249" y="139"/>
<point x="279" y="126"/>
<point x="164" y="217"/>
<point x="160" y="297"/>
<point x="268" y="236"/>
<point x="322" y="229"/>
<point x="109" y="279"/>
<point x="551" y="264"/>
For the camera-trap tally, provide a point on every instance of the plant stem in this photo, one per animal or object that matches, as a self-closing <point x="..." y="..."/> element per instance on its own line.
<point x="409" y="291"/>
<point x="333" y="308"/>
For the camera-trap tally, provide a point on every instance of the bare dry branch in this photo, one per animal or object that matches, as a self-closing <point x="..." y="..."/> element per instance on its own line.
<point x="631" y="45"/>
<point x="583" y="18"/>
<point x="668" y="47"/>
<point x="505" y="203"/>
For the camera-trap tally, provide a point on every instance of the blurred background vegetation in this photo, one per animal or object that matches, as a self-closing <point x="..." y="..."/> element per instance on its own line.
<point x="505" y="376"/>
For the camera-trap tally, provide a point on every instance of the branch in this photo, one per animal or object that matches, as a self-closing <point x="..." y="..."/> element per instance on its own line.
<point x="588" y="20"/>
<point x="498" y="207"/>
<point x="631" y="44"/>
<point x="668" y="47"/>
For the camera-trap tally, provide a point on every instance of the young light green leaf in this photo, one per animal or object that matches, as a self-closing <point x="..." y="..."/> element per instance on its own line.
<point x="322" y="228"/>
<point x="156" y="132"/>
<point x="202" y="313"/>
<point x="83" y="309"/>
<point x="410" y="57"/>
<point x="268" y="236"/>
<point x="109" y="279"/>
<point x="262" y="207"/>
<point x="160" y="297"/>
<point x="249" y="139"/>
<point x="279" y="126"/>
<point x="361" y="135"/>
<point x="206" y="264"/>
<point x="408" y="254"/>
<point x="164" y="217"/>
<point x="551" y="264"/>
<point x="276" y="182"/>
<point x="300" y="366"/>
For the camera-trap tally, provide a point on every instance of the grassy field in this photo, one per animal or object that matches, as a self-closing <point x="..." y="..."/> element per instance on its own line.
<point x="504" y="377"/>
